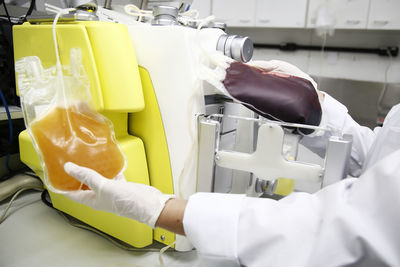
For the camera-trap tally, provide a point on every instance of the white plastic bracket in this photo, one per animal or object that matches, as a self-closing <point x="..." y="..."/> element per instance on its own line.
<point x="267" y="162"/>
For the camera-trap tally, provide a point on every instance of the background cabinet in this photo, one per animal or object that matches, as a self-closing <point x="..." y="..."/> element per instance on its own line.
<point x="203" y="7"/>
<point x="235" y="13"/>
<point x="384" y="14"/>
<point x="342" y="14"/>
<point x="282" y="13"/>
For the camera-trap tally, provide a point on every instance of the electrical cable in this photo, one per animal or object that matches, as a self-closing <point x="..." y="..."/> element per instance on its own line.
<point x="31" y="174"/>
<point x="10" y="127"/>
<point x="3" y="216"/>
<point x="14" y="20"/>
<point x="115" y="242"/>
<point x="321" y="59"/>
<point x="30" y="9"/>
<point x="24" y="170"/>
<point x="381" y="108"/>
<point x="17" y="20"/>
<point x="8" y="15"/>
<point x="81" y="225"/>
<point x="164" y="249"/>
<point x="44" y="196"/>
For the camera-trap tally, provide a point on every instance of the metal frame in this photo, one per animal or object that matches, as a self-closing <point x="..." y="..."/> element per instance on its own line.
<point x="270" y="139"/>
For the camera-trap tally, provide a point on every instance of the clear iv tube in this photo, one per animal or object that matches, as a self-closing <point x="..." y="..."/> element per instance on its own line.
<point x="380" y="106"/>
<point x="60" y="77"/>
<point x="135" y="11"/>
<point x="281" y="123"/>
<point x="321" y="59"/>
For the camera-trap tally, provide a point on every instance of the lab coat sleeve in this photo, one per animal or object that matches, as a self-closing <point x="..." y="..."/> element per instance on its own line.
<point x="211" y="224"/>
<point x="335" y="116"/>
<point x="351" y="223"/>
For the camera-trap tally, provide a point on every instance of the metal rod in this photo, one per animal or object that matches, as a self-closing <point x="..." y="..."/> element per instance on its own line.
<point x="287" y="124"/>
<point x="107" y="4"/>
<point x="381" y="51"/>
<point x="144" y="4"/>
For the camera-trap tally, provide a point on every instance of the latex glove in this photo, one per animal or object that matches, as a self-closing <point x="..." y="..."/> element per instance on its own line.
<point x="140" y="202"/>
<point x="278" y="66"/>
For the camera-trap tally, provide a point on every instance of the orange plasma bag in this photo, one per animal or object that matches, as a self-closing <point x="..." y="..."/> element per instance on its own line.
<point x="63" y="124"/>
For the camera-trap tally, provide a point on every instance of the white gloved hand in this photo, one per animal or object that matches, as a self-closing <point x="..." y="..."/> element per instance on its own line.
<point x="140" y="202"/>
<point x="278" y="66"/>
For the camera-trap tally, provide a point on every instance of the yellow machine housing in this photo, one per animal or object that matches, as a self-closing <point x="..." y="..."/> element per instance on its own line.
<point x="123" y="92"/>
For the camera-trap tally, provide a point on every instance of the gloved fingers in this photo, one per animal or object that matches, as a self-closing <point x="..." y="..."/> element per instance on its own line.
<point x="266" y="65"/>
<point x="290" y="69"/>
<point x="87" y="197"/>
<point x="120" y="177"/>
<point x="85" y="175"/>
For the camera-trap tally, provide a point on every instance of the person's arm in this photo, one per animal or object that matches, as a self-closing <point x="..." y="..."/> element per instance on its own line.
<point x="140" y="202"/>
<point x="171" y="217"/>
<point x="335" y="116"/>
<point x="351" y="223"/>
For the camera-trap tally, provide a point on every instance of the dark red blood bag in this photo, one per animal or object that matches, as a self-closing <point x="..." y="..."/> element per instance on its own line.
<point x="274" y="96"/>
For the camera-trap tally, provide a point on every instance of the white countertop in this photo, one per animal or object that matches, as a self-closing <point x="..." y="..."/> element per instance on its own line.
<point x="36" y="235"/>
<point x="15" y="113"/>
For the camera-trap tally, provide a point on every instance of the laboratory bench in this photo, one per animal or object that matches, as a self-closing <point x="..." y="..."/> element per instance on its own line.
<point x="36" y="235"/>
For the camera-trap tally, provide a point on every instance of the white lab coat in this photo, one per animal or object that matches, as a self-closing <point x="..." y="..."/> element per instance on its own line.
<point x="355" y="222"/>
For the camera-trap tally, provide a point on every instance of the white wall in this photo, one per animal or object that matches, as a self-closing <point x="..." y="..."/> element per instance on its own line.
<point x="354" y="66"/>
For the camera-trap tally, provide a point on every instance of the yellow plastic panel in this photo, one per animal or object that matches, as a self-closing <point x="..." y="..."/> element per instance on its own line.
<point x="107" y="56"/>
<point x="284" y="187"/>
<point x="37" y="40"/>
<point x="147" y="124"/>
<point x="117" y="66"/>
<point x="28" y="153"/>
<point x="129" y="231"/>
<point x="119" y="122"/>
